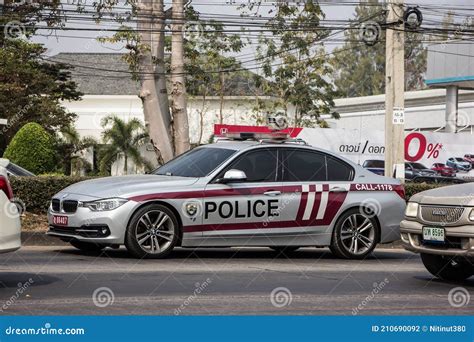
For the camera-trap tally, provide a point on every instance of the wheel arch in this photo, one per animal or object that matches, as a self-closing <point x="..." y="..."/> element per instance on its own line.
<point x="167" y="205"/>
<point x="352" y="207"/>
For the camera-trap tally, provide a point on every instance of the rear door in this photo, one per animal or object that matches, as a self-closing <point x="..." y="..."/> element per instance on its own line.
<point x="247" y="208"/>
<point x="315" y="186"/>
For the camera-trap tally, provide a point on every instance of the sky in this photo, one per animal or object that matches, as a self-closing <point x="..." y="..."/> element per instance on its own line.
<point x="75" y="41"/>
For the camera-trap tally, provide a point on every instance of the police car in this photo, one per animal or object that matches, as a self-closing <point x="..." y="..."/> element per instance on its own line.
<point x="246" y="190"/>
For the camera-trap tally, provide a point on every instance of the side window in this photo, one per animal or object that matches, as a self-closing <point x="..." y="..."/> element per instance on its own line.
<point x="338" y="170"/>
<point x="259" y="165"/>
<point x="304" y="166"/>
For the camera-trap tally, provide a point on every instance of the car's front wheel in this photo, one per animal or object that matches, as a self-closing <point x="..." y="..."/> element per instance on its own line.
<point x="355" y="234"/>
<point x="87" y="246"/>
<point x="446" y="267"/>
<point x="153" y="232"/>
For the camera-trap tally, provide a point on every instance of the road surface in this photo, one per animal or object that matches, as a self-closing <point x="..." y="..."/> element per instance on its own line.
<point x="57" y="280"/>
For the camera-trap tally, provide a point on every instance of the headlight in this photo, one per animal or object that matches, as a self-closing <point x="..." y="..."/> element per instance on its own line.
<point x="471" y="215"/>
<point x="411" y="210"/>
<point x="105" y="204"/>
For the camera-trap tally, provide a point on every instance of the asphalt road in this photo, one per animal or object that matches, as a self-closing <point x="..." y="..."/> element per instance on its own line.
<point x="64" y="281"/>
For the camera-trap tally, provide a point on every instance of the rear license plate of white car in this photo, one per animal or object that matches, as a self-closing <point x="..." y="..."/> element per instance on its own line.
<point x="433" y="234"/>
<point x="60" y="220"/>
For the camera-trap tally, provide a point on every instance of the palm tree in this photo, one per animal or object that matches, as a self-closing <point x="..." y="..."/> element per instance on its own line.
<point x="122" y="138"/>
<point x="71" y="145"/>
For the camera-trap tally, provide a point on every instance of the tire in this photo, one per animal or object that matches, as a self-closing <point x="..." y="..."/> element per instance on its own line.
<point x="152" y="233"/>
<point x="447" y="268"/>
<point x="355" y="227"/>
<point x="87" y="246"/>
<point x="285" y="249"/>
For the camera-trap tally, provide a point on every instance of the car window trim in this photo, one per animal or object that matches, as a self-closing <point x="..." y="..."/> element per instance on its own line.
<point x="326" y="156"/>
<point x="285" y="161"/>
<point x="238" y="156"/>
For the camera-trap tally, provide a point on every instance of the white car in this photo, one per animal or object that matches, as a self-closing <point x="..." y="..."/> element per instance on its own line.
<point x="10" y="225"/>
<point x="280" y="194"/>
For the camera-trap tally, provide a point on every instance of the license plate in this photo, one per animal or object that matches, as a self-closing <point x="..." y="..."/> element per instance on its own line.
<point x="433" y="234"/>
<point x="60" y="220"/>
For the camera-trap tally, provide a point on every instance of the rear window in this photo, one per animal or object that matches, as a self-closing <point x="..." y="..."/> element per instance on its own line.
<point x="374" y="163"/>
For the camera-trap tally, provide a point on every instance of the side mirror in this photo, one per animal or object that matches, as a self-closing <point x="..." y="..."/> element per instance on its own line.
<point x="233" y="176"/>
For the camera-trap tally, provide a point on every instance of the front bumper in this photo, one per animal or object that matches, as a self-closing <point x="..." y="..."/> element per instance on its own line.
<point x="460" y="239"/>
<point x="106" y="227"/>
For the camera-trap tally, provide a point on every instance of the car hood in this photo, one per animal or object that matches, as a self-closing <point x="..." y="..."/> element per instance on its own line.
<point x="125" y="186"/>
<point x="459" y="194"/>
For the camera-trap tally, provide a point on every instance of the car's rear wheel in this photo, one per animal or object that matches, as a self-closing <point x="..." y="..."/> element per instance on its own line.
<point x="446" y="267"/>
<point x="153" y="232"/>
<point x="87" y="246"/>
<point x="355" y="234"/>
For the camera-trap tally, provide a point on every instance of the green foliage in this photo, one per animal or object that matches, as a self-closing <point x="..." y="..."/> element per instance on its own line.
<point x="36" y="192"/>
<point x="31" y="89"/>
<point x="295" y="61"/>
<point x="33" y="149"/>
<point x="414" y="188"/>
<point x="359" y="70"/>
<point x="122" y="139"/>
<point x="70" y="147"/>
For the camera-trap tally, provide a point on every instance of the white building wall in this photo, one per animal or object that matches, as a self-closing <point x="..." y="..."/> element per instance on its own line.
<point x="92" y="109"/>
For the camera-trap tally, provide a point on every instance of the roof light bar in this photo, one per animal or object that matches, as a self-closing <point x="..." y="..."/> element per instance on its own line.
<point x="279" y="136"/>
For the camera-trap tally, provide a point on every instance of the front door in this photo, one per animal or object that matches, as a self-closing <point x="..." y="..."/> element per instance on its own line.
<point x="240" y="211"/>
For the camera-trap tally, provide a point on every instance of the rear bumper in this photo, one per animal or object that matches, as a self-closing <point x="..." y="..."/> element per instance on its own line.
<point x="462" y="238"/>
<point x="10" y="232"/>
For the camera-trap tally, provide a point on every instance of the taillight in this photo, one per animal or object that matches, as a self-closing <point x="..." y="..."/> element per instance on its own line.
<point x="400" y="190"/>
<point x="5" y="187"/>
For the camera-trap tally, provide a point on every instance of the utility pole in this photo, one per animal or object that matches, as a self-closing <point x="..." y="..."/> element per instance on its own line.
<point x="394" y="92"/>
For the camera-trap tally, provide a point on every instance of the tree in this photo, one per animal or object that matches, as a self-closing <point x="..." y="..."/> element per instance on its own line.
<point x="359" y="70"/>
<point x="208" y="65"/>
<point x="178" y="85"/>
<point x="31" y="89"/>
<point x="145" y="43"/>
<point x="33" y="149"/>
<point x="143" y="57"/>
<point x="295" y="65"/>
<point x="123" y="139"/>
<point x="69" y="146"/>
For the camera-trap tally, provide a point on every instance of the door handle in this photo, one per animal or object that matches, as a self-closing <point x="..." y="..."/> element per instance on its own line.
<point x="272" y="193"/>
<point x="338" y="189"/>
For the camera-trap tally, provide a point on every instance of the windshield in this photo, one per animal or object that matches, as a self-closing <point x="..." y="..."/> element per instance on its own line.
<point x="459" y="159"/>
<point x="196" y="163"/>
